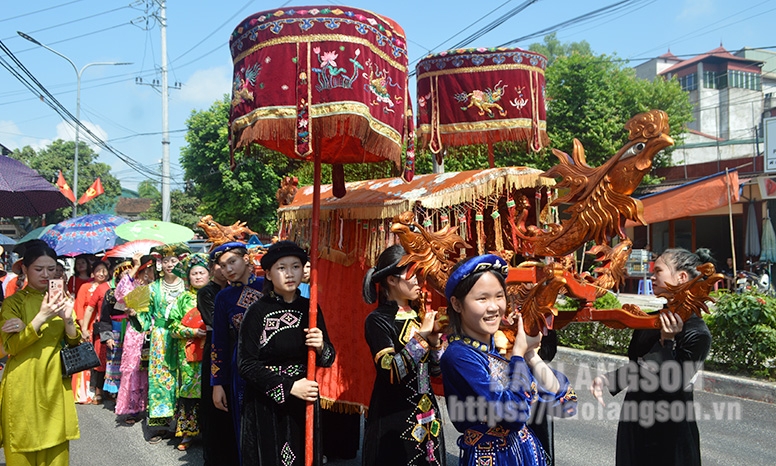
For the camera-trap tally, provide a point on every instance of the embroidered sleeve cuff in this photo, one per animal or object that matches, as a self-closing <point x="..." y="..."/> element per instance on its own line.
<point x="416" y="348"/>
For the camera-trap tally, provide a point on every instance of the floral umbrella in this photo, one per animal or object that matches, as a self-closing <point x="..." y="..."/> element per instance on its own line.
<point x="88" y="234"/>
<point x="324" y="84"/>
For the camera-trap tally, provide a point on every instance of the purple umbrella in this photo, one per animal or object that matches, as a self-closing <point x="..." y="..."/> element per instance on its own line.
<point x="24" y="193"/>
<point x="88" y="234"/>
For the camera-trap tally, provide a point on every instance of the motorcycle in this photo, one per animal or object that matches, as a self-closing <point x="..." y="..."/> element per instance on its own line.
<point x="755" y="280"/>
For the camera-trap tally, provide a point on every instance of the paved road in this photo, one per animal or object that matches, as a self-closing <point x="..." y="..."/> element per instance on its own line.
<point x="586" y="440"/>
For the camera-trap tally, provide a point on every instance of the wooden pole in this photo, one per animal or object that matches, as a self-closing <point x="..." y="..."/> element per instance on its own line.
<point x="311" y="354"/>
<point x="491" y="156"/>
<point x="730" y="217"/>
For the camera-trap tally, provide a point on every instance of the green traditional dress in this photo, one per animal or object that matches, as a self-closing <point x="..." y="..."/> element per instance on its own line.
<point x="189" y="373"/>
<point x="162" y="383"/>
<point x="32" y="381"/>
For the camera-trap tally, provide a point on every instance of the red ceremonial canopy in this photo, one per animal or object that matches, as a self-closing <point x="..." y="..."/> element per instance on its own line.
<point x="481" y="96"/>
<point x="330" y="81"/>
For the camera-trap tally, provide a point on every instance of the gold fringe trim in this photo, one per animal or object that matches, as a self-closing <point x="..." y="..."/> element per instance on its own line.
<point x="343" y="407"/>
<point x="464" y="134"/>
<point x="279" y="134"/>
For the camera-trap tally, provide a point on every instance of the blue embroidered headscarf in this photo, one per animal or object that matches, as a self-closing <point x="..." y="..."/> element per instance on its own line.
<point x="474" y="265"/>
<point x="226" y="247"/>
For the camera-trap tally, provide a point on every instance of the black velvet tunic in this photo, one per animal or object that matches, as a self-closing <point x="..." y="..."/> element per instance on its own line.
<point x="271" y="357"/>
<point x="657" y="424"/>
<point x="404" y="423"/>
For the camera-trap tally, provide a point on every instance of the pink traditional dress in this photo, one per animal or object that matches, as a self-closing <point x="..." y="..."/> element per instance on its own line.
<point x="133" y="387"/>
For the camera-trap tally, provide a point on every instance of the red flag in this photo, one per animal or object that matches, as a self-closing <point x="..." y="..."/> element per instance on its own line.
<point x="94" y="190"/>
<point x="64" y="187"/>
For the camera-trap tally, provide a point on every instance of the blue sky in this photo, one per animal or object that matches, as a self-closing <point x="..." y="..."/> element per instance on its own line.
<point x="128" y="115"/>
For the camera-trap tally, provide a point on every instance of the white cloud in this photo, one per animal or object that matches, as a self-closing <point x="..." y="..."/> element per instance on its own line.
<point x="206" y="86"/>
<point x="694" y="9"/>
<point x="66" y="132"/>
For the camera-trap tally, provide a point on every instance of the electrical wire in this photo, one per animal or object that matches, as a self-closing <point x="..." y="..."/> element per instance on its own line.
<point x="39" y="11"/>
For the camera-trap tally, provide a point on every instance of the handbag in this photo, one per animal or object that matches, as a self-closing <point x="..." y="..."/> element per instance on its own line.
<point x="78" y="358"/>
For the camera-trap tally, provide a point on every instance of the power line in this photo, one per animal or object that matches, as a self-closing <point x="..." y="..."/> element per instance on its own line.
<point x="39" y="11"/>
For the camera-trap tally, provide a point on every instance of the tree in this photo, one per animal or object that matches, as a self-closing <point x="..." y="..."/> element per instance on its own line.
<point x="248" y="192"/>
<point x="183" y="207"/>
<point x="591" y="97"/>
<point x="552" y="48"/>
<point x="59" y="156"/>
<point x="148" y="189"/>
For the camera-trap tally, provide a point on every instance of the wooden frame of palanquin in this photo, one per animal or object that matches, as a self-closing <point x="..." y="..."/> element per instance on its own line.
<point x="357" y="227"/>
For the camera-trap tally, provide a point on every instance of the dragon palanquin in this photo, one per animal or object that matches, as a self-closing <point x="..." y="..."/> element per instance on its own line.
<point x="600" y="196"/>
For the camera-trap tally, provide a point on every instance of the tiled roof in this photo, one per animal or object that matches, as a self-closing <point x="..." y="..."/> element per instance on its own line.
<point x="128" y="205"/>
<point x="719" y="52"/>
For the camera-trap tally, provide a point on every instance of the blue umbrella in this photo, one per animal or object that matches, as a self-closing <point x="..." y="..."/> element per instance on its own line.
<point x="88" y="234"/>
<point x="5" y="241"/>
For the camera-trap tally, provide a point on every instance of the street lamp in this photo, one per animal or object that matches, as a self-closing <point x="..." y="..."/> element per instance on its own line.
<point x="78" y="74"/>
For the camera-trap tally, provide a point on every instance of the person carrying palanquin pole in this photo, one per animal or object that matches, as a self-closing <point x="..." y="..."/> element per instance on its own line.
<point x="272" y="358"/>
<point x="404" y="424"/>
<point x="162" y="385"/>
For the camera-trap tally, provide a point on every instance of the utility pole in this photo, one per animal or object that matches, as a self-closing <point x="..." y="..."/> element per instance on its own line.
<point x="165" y="117"/>
<point x="162" y="18"/>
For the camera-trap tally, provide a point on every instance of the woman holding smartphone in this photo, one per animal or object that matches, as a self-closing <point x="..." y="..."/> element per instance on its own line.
<point x="35" y="322"/>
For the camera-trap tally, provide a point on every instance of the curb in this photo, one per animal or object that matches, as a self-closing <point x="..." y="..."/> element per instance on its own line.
<point x="712" y="382"/>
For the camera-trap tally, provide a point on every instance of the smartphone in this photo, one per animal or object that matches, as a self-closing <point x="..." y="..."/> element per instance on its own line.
<point x="56" y="285"/>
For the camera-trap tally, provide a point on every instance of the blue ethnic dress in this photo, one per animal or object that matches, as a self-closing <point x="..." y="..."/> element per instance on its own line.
<point x="230" y="306"/>
<point x="471" y="368"/>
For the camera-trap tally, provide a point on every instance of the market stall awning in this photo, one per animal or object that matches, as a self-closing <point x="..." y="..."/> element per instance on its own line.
<point x="384" y="198"/>
<point x="693" y="198"/>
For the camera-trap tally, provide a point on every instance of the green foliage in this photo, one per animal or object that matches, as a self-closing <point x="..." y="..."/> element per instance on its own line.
<point x="743" y="330"/>
<point x="248" y="192"/>
<point x="591" y="97"/>
<point x="552" y="48"/>
<point x="59" y="155"/>
<point x="594" y="336"/>
<point x="148" y="189"/>
<point x="183" y="208"/>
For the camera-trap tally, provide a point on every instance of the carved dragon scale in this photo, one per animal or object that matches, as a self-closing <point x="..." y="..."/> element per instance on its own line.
<point x="599" y="202"/>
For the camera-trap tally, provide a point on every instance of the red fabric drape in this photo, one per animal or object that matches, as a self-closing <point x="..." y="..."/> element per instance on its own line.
<point x="349" y="381"/>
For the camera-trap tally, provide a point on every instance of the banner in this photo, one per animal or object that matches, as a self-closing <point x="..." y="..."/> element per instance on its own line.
<point x="94" y="190"/>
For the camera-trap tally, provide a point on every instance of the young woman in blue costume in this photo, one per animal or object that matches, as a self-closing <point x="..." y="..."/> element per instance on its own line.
<point x="231" y="303"/>
<point x="272" y="358"/>
<point x="404" y="425"/>
<point x="162" y="382"/>
<point x="489" y="398"/>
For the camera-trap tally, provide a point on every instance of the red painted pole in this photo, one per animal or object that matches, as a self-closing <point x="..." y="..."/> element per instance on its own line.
<point x="311" y="354"/>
